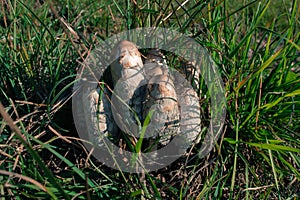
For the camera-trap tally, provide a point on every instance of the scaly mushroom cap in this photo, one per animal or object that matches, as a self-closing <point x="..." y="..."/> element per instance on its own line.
<point x="125" y="55"/>
<point x="129" y="85"/>
<point x="160" y="97"/>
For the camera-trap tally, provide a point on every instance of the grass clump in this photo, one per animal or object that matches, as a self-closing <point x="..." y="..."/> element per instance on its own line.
<point x="256" y="47"/>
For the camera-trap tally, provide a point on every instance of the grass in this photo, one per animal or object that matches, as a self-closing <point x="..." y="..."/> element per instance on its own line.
<point x="256" y="47"/>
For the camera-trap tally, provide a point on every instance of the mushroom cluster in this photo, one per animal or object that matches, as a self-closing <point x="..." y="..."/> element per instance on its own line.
<point x="148" y="100"/>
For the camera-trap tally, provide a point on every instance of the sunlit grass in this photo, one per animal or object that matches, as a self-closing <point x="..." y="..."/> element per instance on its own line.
<point x="255" y="47"/>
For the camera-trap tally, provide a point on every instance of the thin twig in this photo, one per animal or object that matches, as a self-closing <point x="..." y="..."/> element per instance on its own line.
<point x="25" y="178"/>
<point x="11" y="123"/>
